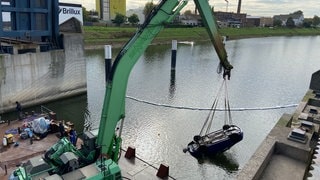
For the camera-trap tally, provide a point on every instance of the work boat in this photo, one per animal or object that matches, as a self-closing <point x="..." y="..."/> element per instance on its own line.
<point x="215" y="142"/>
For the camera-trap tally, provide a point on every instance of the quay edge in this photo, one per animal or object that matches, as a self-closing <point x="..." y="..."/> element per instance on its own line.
<point x="280" y="156"/>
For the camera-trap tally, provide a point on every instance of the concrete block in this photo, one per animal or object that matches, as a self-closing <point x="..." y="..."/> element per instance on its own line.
<point x="131" y="152"/>
<point x="163" y="171"/>
<point x="315" y="81"/>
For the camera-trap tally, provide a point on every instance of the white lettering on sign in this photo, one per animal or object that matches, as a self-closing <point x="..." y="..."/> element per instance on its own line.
<point x="68" y="12"/>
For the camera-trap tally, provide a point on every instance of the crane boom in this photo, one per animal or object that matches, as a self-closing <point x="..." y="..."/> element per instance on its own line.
<point x="114" y="103"/>
<point x="212" y="28"/>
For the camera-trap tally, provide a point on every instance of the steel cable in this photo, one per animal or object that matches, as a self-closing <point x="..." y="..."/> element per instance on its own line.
<point x="209" y="109"/>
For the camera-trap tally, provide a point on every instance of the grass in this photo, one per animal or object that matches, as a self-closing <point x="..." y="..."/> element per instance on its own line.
<point x="99" y="35"/>
<point x="235" y="33"/>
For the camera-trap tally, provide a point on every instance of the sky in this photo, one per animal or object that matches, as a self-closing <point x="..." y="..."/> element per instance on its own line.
<point x="251" y="7"/>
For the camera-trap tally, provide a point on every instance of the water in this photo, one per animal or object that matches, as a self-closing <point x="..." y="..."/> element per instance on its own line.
<point x="267" y="72"/>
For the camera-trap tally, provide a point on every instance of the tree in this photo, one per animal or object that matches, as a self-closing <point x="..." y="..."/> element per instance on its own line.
<point x="90" y="16"/>
<point x="85" y="14"/>
<point x="290" y="23"/>
<point x="119" y="19"/>
<point x="148" y="8"/>
<point x="133" y="19"/>
<point x="93" y="16"/>
<point x="316" y="21"/>
<point x="187" y="13"/>
<point x="307" y="23"/>
<point x="277" y="23"/>
<point x="299" y="12"/>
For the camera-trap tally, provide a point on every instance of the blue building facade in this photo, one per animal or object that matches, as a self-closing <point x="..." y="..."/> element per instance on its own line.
<point x="32" y="21"/>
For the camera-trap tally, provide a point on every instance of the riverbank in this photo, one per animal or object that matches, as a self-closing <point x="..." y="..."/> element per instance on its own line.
<point x="97" y="36"/>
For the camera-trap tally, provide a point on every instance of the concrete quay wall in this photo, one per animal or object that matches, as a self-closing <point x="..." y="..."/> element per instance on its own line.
<point x="282" y="157"/>
<point x="36" y="78"/>
<point x="273" y="159"/>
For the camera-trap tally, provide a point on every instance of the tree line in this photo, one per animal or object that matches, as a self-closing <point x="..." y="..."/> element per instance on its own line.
<point x="92" y="16"/>
<point x="307" y="22"/>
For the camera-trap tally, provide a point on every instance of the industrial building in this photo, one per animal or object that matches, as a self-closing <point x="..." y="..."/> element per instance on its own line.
<point x="35" y="25"/>
<point x="108" y="9"/>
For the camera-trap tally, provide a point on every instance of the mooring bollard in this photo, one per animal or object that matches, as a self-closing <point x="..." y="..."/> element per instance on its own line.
<point x="108" y="59"/>
<point x="163" y="171"/>
<point x="173" y="54"/>
<point x="131" y="152"/>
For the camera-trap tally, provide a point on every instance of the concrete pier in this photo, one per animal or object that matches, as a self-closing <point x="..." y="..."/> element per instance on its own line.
<point x="10" y="156"/>
<point x="36" y="78"/>
<point x="283" y="156"/>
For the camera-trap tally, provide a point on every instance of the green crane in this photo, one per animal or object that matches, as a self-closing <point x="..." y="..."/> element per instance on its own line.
<point x="114" y="102"/>
<point x="99" y="154"/>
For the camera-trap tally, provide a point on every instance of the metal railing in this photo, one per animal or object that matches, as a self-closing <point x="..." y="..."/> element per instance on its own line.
<point x="45" y="110"/>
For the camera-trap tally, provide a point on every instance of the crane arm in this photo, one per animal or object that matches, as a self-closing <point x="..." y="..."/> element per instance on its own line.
<point x="212" y="28"/>
<point x="114" y="102"/>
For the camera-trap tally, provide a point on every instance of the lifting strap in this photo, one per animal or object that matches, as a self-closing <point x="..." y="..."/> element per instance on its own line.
<point x="228" y="120"/>
<point x="227" y="117"/>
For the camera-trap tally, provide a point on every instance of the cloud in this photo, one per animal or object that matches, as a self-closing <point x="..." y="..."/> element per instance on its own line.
<point x="270" y="7"/>
<point x="251" y="7"/>
<point x="133" y="4"/>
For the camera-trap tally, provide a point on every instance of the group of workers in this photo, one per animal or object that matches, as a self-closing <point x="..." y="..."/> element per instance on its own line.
<point x="72" y="133"/>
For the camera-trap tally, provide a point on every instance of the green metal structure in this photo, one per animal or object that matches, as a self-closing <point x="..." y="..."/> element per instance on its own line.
<point x="114" y="103"/>
<point x="107" y="143"/>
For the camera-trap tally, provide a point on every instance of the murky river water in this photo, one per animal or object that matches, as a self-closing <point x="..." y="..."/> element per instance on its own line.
<point x="267" y="72"/>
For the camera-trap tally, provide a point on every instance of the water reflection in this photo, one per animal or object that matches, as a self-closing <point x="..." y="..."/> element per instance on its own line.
<point x="72" y="109"/>
<point x="172" y="87"/>
<point x="224" y="160"/>
<point x="261" y="77"/>
<point x="156" y="53"/>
